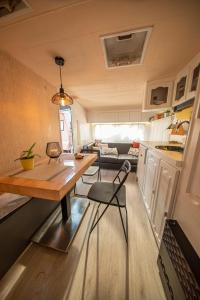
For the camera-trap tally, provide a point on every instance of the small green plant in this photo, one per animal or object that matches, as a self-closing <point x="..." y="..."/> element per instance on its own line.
<point x="28" y="154"/>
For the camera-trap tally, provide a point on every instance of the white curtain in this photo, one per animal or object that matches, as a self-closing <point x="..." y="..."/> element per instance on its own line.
<point x="120" y="132"/>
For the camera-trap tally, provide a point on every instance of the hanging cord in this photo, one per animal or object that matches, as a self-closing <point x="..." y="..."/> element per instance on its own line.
<point x="61" y="78"/>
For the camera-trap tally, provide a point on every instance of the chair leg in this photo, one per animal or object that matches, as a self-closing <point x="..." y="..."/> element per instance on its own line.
<point x="125" y="233"/>
<point x="95" y="217"/>
<point x="126" y="223"/>
<point x="103" y="212"/>
<point x="78" y="195"/>
<point x="99" y="175"/>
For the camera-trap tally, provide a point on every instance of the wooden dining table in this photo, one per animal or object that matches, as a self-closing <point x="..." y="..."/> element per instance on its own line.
<point x="53" y="181"/>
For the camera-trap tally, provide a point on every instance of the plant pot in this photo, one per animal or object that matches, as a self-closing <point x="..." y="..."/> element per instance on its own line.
<point x="27" y="164"/>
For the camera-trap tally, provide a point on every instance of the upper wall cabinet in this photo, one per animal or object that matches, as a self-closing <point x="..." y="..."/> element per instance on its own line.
<point x="194" y="75"/>
<point x="180" y="86"/>
<point x="158" y="95"/>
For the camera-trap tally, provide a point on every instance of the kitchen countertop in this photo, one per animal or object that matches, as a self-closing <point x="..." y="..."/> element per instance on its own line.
<point x="172" y="157"/>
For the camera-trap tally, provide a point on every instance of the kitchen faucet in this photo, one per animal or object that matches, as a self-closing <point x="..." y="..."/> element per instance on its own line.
<point x="181" y="123"/>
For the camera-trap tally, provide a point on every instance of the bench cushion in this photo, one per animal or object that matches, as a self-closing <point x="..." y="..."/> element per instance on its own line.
<point x="129" y="157"/>
<point x="113" y="159"/>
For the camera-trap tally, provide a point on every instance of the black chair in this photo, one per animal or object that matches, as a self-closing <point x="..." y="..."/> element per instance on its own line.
<point x="90" y="172"/>
<point x="111" y="193"/>
<point x="93" y="170"/>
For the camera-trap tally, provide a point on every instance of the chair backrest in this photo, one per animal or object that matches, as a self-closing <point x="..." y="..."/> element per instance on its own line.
<point x="125" y="168"/>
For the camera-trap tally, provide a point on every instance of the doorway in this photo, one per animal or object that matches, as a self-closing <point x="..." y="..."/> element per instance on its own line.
<point x="66" y="129"/>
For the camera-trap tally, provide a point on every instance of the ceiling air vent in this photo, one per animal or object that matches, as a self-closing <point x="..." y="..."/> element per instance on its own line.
<point x="127" y="48"/>
<point x="12" y="7"/>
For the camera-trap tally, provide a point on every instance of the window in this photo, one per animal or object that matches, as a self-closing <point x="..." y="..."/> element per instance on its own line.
<point x="120" y="132"/>
<point x="66" y="129"/>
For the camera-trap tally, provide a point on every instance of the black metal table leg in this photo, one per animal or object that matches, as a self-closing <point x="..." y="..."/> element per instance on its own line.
<point x="59" y="230"/>
<point x="66" y="207"/>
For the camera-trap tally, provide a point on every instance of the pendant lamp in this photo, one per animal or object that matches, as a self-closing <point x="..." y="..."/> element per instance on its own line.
<point x="61" y="98"/>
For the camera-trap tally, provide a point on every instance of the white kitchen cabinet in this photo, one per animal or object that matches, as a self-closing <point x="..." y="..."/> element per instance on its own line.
<point x="141" y="167"/>
<point x="164" y="197"/>
<point x="151" y="171"/>
<point x="194" y="75"/>
<point x="180" y="86"/>
<point x="158" y="95"/>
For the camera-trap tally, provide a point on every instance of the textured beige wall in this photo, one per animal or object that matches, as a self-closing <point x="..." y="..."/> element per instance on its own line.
<point x="26" y="113"/>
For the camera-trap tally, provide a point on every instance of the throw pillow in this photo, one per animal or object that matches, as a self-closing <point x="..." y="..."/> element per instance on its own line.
<point x="108" y="151"/>
<point x="136" y="144"/>
<point x="133" y="151"/>
<point x="97" y="142"/>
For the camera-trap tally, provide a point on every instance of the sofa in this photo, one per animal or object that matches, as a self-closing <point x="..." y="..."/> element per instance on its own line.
<point x="110" y="161"/>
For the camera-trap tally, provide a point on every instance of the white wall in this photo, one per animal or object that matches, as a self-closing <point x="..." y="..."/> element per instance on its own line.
<point x="81" y="129"/>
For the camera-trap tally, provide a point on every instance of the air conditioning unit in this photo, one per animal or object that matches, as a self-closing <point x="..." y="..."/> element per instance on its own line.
<point x="125" y="48"/>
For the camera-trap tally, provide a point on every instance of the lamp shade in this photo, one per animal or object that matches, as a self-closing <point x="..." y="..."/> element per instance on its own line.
<point x="62" y="98"/>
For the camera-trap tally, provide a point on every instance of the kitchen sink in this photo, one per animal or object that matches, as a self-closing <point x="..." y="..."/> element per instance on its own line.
<point x="170" y="148"/>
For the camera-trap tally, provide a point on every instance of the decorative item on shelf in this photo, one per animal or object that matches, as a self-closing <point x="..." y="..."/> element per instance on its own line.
<point x="27" y="158"/>
<point x="151" y="118"/>
<point x="161" y="115"/>
<point x="53" y="150"/>
<point x="61" y="98"/>
<point x="167" y="113"/>
<point x="78" y="155"/>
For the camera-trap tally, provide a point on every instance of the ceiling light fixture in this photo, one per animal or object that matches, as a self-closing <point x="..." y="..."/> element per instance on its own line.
<point x="61" y="98"/>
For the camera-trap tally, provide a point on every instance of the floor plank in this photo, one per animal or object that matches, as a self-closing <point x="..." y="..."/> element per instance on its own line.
<point x="98" y="266"/>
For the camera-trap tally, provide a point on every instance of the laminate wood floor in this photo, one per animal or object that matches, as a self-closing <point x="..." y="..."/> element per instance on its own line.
<point x="98" y="266"/>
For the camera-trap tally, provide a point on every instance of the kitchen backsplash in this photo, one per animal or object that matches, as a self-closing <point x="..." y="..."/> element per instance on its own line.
<point x="159" y="131"/>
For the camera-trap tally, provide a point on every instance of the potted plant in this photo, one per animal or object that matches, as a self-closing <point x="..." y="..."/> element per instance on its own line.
<point x="27" y="158"/>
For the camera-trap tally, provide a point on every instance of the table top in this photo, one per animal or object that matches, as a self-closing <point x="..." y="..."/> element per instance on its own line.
<point x="47" y="181"/>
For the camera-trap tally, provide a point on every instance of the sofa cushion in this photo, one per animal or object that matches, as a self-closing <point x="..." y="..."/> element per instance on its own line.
<point x="121" y="147"/>
<point x="133" y="151"/>
<point x="131" y="158"/>
<point x="109" y="151"/>
<point x="113" y="159"/>
<point x="97" y="142"/>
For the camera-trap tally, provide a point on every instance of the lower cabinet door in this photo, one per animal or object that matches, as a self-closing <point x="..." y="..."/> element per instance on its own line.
<point x="164" y="197"/>
<point x="151" y="171"/>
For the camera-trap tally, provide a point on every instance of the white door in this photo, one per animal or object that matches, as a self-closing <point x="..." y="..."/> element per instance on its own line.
<point x="151" y="171"/>
<point x="164" y="197"/>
